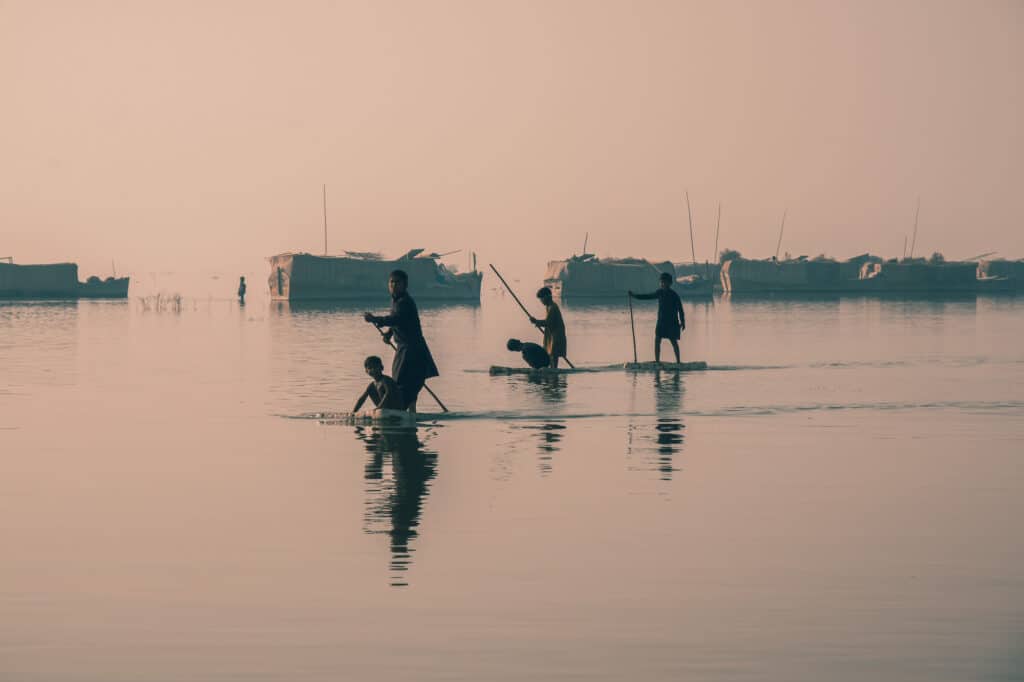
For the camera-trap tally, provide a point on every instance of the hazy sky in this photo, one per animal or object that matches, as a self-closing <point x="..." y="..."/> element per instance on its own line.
<point x="196" y="135"/>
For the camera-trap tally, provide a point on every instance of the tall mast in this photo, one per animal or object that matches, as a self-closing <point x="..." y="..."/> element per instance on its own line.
<point x="913" y="241"/>
<point x="325" y="219"/>
<point x="781" y="228"/>
<point x="718" y="224"/>
<point x="689" y="216"/>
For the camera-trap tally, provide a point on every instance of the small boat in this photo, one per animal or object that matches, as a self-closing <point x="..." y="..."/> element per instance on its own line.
<point x="695" y="366"/>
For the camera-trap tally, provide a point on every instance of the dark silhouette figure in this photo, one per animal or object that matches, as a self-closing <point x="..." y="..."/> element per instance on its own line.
<point x="383" y="391"/>
<point x="241" y="290"/>
<point x="553" y="326"/>
<point x="671" y="318"/>
<point x="413" y="364"/>
<point x="535" y="356"/>
<point x="397" y="502"/>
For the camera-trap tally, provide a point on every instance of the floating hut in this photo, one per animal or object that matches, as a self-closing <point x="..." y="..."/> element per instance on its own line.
<point x="56" y="280"/>
<point x="587" y="276"/>
<point x="742" y="275"/>
<point x="364" y="276"/>
<point x="921" y="276"/>
<point x="864" y="274"/>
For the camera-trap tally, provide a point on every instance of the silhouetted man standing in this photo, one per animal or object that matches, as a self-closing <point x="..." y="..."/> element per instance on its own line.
<point x="413" y="363"/>
<point x="671" y="318"/>
<point x="241" y="290"/>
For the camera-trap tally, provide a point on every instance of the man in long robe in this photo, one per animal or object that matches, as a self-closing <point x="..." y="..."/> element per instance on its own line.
<point x="553" y="326"/>
<point x="413" y="364"/>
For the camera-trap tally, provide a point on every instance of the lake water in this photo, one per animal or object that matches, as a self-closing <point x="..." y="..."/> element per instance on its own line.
<point x="838" y="498"/>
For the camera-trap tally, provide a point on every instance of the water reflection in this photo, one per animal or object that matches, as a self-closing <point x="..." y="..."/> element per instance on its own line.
<point x="669" y="436"/>
<point x="397" y="477"/>
<point x="552" y="391"/>
<point x="666" y="439"/>
<point x="38" y="344"/>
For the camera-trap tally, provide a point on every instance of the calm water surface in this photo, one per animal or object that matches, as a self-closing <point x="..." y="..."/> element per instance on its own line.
<point x="838" y="498"/>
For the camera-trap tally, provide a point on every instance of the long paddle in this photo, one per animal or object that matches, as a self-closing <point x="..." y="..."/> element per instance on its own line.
<point x="632" y="328"/>
<point x="527" y="312"/>
<point x="432" y="394"/>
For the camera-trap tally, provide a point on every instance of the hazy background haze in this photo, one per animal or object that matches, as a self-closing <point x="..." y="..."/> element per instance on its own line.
<point x="193" y="135"/>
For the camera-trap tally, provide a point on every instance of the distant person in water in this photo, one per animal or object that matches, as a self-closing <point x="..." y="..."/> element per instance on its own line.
<point x="413" y="363"/>
<point x="383" y="391"/>
<point x="241" y="290"/>
<point x="553" y="327"/>
<point x="534" y="355"/>
<point x="671" y="318"/>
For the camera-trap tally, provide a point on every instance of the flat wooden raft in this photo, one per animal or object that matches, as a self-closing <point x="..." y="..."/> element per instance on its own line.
<point x="623" y="367"/>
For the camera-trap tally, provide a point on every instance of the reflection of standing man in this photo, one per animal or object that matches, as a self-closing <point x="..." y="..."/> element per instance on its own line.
<point x="413" y="468"/>
<point x="413" y="364"/>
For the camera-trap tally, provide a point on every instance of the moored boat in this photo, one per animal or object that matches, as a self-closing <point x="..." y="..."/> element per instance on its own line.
<point x="588" y="276"/>
<point x="364" y="276"/>
<point x="56" y="280"/>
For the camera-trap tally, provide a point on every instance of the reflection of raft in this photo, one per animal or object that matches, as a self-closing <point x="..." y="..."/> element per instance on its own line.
<point x="626" y="366"/>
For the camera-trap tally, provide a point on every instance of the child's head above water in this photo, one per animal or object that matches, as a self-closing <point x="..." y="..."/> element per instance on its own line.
<point x="374" y="366"/>
<point x="514" y="344"/>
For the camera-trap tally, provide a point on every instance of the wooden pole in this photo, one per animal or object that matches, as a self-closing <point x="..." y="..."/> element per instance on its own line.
<point x="689" y="216"/>
<point x="527" y="312"/>
<point x="781" y="228"/>
<point x="632" y="328"/>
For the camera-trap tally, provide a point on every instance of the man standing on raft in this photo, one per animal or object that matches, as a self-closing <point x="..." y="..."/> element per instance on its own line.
<point x="413" y="364"/>
<point x="553" y="327"/>
<point x="671" y="318"/>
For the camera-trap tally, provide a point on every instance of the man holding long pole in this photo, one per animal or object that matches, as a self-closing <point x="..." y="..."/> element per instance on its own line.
<point x="671" y="318"/>
<point x="552" y="325"/>
<point x="413" y="364"/>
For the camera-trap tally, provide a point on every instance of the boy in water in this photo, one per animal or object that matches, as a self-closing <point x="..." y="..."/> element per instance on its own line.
<point x="553" y="327"/>
<point x="534" y="355"/>
<point x="671" y="319"/>
<point x="383" y="390"/>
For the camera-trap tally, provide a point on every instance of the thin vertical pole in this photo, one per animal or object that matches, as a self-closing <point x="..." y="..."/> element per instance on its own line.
<point x="781" y="228"/>
<point x="913" y="242"/>
<point x="586" y="236"/>
<point x="904" y="247"/>
<point x="632" y="328"/>
<point x="718" y="225"/>
<point x="325" y="219"/>
<point x="689" y="216"/>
